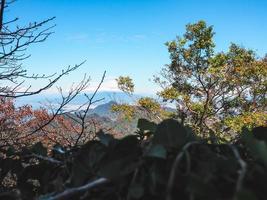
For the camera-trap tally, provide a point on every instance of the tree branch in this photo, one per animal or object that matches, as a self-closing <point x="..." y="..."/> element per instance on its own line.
<point x="69" y="193"/>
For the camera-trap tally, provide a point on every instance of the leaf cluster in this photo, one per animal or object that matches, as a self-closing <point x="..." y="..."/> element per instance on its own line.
<point x="159" y="161"/>
<point x="214" y="90"/>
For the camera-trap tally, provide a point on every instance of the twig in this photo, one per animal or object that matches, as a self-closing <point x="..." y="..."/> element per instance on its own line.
<point x="2" y="13"/>
<point x="51" y="160"/>
<point x="83" y="116"/>
<point x="242" y="171"/>
<point x="174" y="167"/>
<point x="67" y="194"/>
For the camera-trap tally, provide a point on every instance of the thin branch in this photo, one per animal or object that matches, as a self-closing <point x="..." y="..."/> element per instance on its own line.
<point x="49" y="159"/>
<point x="16" y="94"/>
<point x="242" y="171"/>
<point x="69" y="193"/>
<point x="83" y="116"/>
<point x="174" y="168"/>
<point x="2" y="13"/>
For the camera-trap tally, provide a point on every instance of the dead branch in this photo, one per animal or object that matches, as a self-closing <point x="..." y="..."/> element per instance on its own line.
<point x="69" y="193"/>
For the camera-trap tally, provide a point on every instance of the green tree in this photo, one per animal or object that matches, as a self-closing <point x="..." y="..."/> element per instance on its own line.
<point x="214" y="91"/>
<point x="143" y="107"/>
<point x="125" y="84"/>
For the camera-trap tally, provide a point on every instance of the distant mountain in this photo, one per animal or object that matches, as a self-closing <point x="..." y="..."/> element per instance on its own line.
<point x="106" y="119"/>
<point x="104" y="110"/>
<point x="107" y="97"/>
<point x="169" y="109"/>
<point x="37" y="100"/>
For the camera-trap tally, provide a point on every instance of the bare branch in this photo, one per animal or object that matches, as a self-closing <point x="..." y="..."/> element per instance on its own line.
<point x="16" y="94"/>
<point x="2" y="13"/>
<point x="67" y="194"/>
<point x="90" y="99"/>
<point x="174" y="168"/>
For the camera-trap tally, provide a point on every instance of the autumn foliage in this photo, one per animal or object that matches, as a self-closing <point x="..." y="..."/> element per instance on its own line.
<point x="215" y="93"/>
<point x="22" y="126"/>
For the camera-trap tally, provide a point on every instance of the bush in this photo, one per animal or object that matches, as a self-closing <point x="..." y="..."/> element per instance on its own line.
<point x="164" y="161"/>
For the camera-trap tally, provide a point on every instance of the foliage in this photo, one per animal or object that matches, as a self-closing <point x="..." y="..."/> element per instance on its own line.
<point x="143" y="107"/>
<point x="171" y="163"/>
<point x="126" y="110"/>
<point x="16" y="123"/>
<point x="20" y="126"/>
<point x="215" y="92"/>
<point x="169" y="93"/>
<point x="150" y="104"/>
<point x="125" y="84"/>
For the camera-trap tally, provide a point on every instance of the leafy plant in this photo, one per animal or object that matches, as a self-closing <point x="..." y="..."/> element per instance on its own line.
<point x="214" y="92"/>
<point x="160" y="161"/>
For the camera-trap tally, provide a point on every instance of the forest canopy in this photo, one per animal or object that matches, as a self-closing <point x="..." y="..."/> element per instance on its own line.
<point x="214" y="93"/>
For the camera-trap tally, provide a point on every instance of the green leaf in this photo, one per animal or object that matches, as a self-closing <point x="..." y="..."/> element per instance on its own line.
<point x="87" y="161"/>
<point x="146" y="126"/>
<point x="8" y="164"/>
<point x="200" y="188"/>
<point x="105" y="139"/>
<point x="39" y="149"/>
<point x="157" y="151"/>
<point x="260" y="133"/>
<point x="121" y="158"/>
<point x="10" y="151"/>
<point x="136" y="191"/>
<point x="245" y="195"/>
<point x="171" y="134"/>
<point x="257" y="147"/>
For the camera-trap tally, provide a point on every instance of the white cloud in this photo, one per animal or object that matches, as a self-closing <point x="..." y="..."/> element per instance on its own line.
<point x="75" y="107"/>
<point x="109" y="84"/>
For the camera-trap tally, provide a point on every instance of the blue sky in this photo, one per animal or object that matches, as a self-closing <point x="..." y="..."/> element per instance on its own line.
<point x="126" y="37"/>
